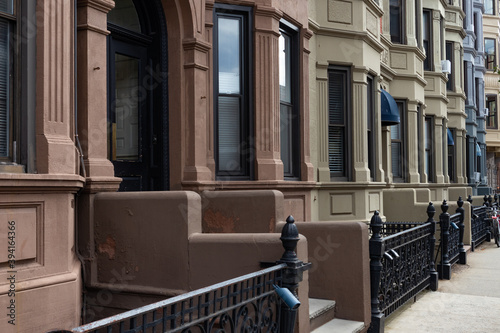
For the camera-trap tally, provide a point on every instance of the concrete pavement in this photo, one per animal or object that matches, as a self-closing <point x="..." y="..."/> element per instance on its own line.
<point x="468" y="303"/>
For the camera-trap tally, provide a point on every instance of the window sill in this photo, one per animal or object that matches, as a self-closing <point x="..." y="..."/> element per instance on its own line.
<point x="11" y="168"/>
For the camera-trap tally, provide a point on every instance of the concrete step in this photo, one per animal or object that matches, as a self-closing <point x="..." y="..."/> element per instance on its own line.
<point x="340" y="326"/>
<point x="321" y="311"/>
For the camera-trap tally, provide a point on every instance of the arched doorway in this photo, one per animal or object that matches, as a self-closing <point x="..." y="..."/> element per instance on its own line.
<point x="137" y="95"/>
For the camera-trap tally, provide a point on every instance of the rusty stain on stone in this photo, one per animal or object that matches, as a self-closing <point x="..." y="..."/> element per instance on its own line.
<point x="108" y="247"/>
<point x="218" y="223"/>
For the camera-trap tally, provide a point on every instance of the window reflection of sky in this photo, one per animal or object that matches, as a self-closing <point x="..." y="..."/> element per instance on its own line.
<point x="229" y="55"/>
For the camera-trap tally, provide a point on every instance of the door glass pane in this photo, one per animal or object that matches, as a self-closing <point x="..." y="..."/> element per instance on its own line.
<point x="229" y="55"/>
<point x="126" y="127"/>
<point x="229" y="134"/>
<point x="125" y="15"/>
<point x="4" y="88"/>
<point x="7" y="6"/>
<point x="286" y="137"/>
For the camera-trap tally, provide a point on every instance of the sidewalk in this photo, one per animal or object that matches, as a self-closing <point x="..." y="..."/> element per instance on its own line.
<point x="469" y="302"/>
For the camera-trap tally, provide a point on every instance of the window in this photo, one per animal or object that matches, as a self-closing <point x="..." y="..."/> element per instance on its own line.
<point x="398" y="150"/>
<point x="17" y="86"/>
<point x="427" y="38"/>
<point x="476" y="30"/>
<point x="417" y="23"/>
<point x="451" y="158"/>
<point x="491" y="104"/>
<point x="489" y="7"/>
<point x="489" y="50"/>
<point x="466" y="83"/>
<point x="370" y="128"/>
<point x="450" y="85"/>
<point x="397" y="11"/>
<point x="289" y="111"/>
<point x="339" y="95"/>
<point x="232" y="90"/>
<point x="428" y="145"/>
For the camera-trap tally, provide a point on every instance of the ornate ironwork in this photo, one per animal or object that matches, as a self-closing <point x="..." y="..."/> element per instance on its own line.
<point x="245" y="304"/>
<point x="453" y="238"/>
<point x="401" y="265"/>
<point x="406" y="267"/>
<point x="479" y="227"/>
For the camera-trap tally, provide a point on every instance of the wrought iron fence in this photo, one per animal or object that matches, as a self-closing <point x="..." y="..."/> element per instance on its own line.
<point x="401" y="266"/>
<point x="451" y="245"/>
<point x="248" y="303"/>
<point x="479" y="226"/>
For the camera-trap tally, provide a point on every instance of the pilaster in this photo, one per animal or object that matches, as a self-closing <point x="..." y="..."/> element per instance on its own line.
<point x="359" y="124"/>
<point x="92" y="89"/>
<point x="322" y="135"/>
<point x="267" y="120"/>
<point x="412" y="142"/>
<point x="55" y="88"/>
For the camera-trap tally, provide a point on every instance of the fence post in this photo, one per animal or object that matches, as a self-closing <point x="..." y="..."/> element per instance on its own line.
<point x="377" y="249"/>
<point x="444" y="267"/>
<point x="292" y="275"/>
<point x="490" y="201"/>
<point x="432" y="245"/>
<point x="485" y="199"/>
<point x="472" y="224"/>
<point x="462" y="258"/>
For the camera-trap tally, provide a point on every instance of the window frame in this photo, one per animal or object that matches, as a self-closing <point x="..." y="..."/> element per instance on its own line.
<point x="20" y="118"/>
<point x="493" y="7"/>
<point x="291" y="163"/>
<point x="451" y="157"/>
<point x="246" y="126"/>
<point x="346" y="73"/>
<point x="428" y="136"/>
<point x="450" y="55"/>
<point x="400" y="38"/>
<point x="428" y="61"/>
<point x="402" y="105"/>
<point x="487" y="55"/>
<point x="492" y="115"/>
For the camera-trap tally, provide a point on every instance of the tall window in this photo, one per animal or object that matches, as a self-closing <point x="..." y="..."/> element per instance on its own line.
<point x="339" y="95"/>
<point x="489" y="7"/>
<point x="427" y="38"/>
<point x="428" y="145"/>
<point x="450" y="85"/>
<point x="417" y="23"/>
<point x="289" y="111"/>
<point x="370" y="128"/>
<point x="397" y="11"/>
<point x="17" y="85"/>
<point x="398" y="150"/>
<point x="489" y="49"/>
<point x="232" y="90"/>
<point x="451" y="158"/>
<point x="491" y="104"/>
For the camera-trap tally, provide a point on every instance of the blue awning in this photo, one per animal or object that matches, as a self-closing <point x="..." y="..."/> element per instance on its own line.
<point x="451" y="142"/>
<point x="389" y="109"/>
<point x="478" y="150"/>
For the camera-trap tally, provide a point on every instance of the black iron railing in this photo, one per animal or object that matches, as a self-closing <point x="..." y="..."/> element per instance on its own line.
<point x="479" y="221"/>
<point x="401" y="265"/>
<point x="248" y="303"/>
<point x="451" y="245"/>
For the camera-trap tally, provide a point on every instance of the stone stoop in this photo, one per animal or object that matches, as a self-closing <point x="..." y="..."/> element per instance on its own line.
<point x="321" y="311"/>
<point x="322" y="318"/>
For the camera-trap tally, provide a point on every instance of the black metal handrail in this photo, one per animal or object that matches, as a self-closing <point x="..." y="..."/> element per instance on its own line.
<point x="401" y="266"/>
<point x="249" y="303"/>
<point x="246" y="301"/>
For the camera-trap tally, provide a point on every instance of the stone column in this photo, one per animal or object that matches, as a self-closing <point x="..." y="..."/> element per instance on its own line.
<point x="267" y="120"/>
<point x="412" y="138"/>
<point x="359" y="122"/>
<point x="323" y="120"/>
<point x="92" y="92"/>
<point x="438" y="149"/>
<point x="55" y="94"/>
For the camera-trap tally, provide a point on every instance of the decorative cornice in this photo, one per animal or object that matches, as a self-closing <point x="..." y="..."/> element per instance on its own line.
<point x="102" y="5"/>
<point x="93" y="28"/>
<point x="269" y="12"/>
<point x="353" y="35"/>
<point x="196" y="44"/>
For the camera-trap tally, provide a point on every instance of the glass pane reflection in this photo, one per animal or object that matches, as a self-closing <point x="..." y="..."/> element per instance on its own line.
<point x="229" y="55"/>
